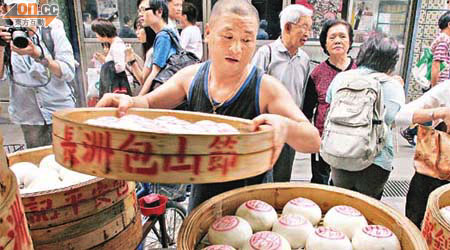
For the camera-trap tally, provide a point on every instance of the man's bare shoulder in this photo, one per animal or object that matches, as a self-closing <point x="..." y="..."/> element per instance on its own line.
<point x="269" y="82"/>
<point x="185" y="75"/>
<point x="188" y="71"/>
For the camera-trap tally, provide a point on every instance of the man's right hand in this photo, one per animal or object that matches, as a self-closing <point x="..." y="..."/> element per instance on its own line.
<point x="100" y="57"/>
<point x="121" y="101"/>
<point x="5" y="36"/>
<point x="129" y="54"/>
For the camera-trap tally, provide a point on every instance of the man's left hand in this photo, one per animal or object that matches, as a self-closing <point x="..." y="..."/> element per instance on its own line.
<point x="31" y="50"/>
<point x="279" y="125"/>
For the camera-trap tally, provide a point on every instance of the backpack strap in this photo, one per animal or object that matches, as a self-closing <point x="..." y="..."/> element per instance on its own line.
<point x="174" y="40"/>
<point x="380" y="78"/>
<point x="47" y="38"/>
<point x="270" y="58"/>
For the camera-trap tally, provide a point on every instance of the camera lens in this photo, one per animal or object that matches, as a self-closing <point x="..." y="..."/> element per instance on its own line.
<point x="20" y="39"/>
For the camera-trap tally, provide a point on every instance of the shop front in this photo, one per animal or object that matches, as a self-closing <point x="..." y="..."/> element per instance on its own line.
<point x="395" y="18"/>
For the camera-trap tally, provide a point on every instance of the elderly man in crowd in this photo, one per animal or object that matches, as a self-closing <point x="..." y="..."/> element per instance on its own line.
<point x="286" y="61"/>
<point x="230" y="85"/>
<point x="175" y="12"/>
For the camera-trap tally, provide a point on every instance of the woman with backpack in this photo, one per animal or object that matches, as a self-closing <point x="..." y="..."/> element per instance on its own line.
<point x="357" y="139"/>
<point x="336" y="39"/>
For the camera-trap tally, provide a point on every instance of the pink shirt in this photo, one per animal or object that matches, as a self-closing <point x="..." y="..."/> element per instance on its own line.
<point x="441" y="52"/>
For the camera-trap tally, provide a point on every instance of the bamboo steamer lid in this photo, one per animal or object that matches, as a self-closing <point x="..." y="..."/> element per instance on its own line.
<point x="197" y="223"/>
<point x="14" y="232"/>
<point x="3" y="163"/>
<point x="159" y="157"/>
<point x="97" y="214"/>
<point x="435" y="228"/>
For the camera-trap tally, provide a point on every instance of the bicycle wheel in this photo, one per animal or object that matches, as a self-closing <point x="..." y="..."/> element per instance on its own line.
<point x="174" y="217"/>
<point x="175" y="214"/>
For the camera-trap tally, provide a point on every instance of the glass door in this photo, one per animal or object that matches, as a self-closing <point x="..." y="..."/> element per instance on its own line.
<point x="388" y="16"/>
<point x="269" y="11"/>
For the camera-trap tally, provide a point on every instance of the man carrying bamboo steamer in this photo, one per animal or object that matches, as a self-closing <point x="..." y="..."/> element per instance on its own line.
<point x="228" y="84"/>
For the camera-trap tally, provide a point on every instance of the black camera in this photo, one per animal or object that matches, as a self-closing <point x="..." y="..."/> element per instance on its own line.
<point x="19" y="36"/>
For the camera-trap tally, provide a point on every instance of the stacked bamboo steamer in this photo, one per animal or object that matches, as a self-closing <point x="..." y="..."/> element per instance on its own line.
<point x="435" y="228"/>
<point x="13" y="224"/>
<point x="196" y="225"/>
<point x="97" y="214"/>
<point x="159" y="157"/>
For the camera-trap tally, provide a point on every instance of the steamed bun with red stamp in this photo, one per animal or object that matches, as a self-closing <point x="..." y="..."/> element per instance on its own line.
<point x="345" y="219"/>
<point x="259" y="214"/>
<point x="305" y="207"/>
<point x="445" y="212"/>
<point x="327" y="238"/>
<point x="295" y="228"/>
<point x="219" y="247"/>
<point x="266" y="240"/>
<point x="375" y="237"/>
<point x="229" y="230"/>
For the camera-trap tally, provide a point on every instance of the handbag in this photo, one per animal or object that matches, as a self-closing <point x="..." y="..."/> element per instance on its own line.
<point x="177" y="61"/>
<point x="135" y="86"/>
<point x="433" y="151"/>
<point x="112" y="82"/>
<point x="421" y="72"/>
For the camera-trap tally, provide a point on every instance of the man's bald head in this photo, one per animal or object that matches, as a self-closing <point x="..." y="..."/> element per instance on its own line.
<point x="239" y="7"/>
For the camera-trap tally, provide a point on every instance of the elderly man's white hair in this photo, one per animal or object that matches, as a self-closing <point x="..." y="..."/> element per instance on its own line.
<point x="292" y="14"/>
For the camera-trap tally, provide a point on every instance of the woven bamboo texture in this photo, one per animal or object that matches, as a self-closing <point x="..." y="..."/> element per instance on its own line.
<point x="159" y="157"/>
<point x="196" y="225"/>
<point x="14" y="232"/>
<point x="98" y="214"/>
<point x="434" y="227"/>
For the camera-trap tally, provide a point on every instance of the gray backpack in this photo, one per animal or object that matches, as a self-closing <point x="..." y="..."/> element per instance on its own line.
<point x="355" y="130"/>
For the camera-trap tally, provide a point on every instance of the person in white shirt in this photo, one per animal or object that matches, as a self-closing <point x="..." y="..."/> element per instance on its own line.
<point x="191" y="36"/>
<point x="434" y="106"/>
<point x="106" y="33"/>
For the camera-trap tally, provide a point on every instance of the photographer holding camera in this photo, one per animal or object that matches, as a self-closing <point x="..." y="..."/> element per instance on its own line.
<point x="38" y="83"/>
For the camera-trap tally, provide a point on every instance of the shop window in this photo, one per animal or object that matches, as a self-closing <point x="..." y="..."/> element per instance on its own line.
<point x="121" y="13"/>
<point x="323" y="10"/>
<point x="199" y="5"/>
<point x="269" y="11"/>
<point x="390" y="17"/>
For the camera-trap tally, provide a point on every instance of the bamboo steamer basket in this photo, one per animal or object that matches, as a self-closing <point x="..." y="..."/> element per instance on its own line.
<point x="159" y="157"/>
<point x="14" y="232"/>
<point x="434" y="227"/>
<point x="97" y="214"/>
<point x="196" y="225"/>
